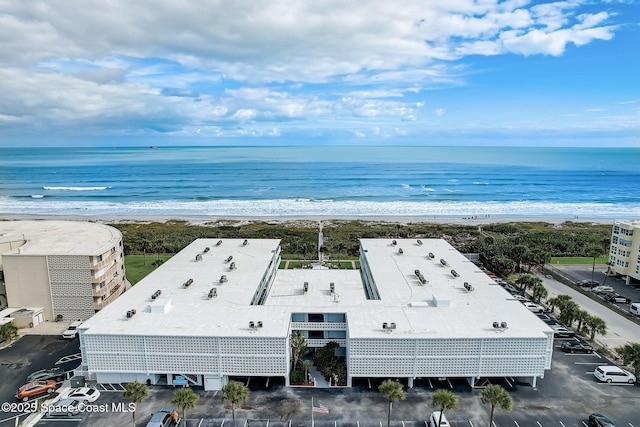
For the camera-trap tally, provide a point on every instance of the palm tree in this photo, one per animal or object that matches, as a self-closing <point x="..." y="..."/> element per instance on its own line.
<point x="525" y="281"/>
<point x="630" y="354"/>
<point x="444" y="399"/>
<point x="306" y="364"/>
<point x="394" y="391"/>
<point x="496" y="395"/>
<point x="539" y="292"/>
<point x="137" y="392"/>
<point x="581" y="317"/>
<point x="593" y="251"/>
<point x="298" y="348"/>
<point x="596" y="325"/>
<point x="184" y="398"/>
<point x="235" y="393"/>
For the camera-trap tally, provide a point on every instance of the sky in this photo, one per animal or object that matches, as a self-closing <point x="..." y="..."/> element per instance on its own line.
<point x="254" y="72"/>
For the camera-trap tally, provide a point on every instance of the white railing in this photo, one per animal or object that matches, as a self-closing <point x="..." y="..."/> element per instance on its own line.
<point x="318" y="326"/>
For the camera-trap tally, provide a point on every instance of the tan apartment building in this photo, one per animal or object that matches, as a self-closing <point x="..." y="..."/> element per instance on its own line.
<point x="624" y="255"/>
<point x="71" y="269"/>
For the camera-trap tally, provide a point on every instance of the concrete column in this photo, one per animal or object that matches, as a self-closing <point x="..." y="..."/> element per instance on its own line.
<point x="410" y="382"/>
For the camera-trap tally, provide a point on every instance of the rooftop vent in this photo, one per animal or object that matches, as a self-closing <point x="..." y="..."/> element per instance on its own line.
<point x="393" y="242"/>
<point x="207" y="249"/>
<point x="255" y="325"/>
<point x="219" y="243"/>
<point x="431" y="255"/>
<point x="229" y="258"/>
<point x="443" y="262"/>
<point x="199" y="257"/>
<point x="223" y="278"/>
<point x="388" y="327"/>
<point x="455" y="273"/>
<point x="232" y="266"/>
<point x="500" y="325"/>
<point x="419" y="242"/>
<point x="332" y="287"/>
<point x="156" y="294"/>
<point x="400" y="251"/>
<point x="213" y="292"/>
<point x="245" y="243"/>
<point x="468" y="287"/>
<point x="188" y="283"/>
<point x="131" y="313"/>
<point x="305" y="287"/>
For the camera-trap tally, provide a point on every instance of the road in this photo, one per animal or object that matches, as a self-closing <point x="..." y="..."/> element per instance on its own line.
<point x="620" y="330"/>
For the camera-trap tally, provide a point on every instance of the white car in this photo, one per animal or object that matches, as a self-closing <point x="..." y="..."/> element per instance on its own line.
<point x="613" y="374"/>
<point x="85" y="393"/>
<point x="602" y="289"/>
<point x="72" y="330"/>
<point x="533" y="307"/>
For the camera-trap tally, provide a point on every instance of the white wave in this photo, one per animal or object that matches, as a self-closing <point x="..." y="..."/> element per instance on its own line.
<point x="480" y="183"/>
<point x="306" y="207"/>
<point x="37" y="196"/>
<point x="75" y="188"/>
<point x="428" y="189"/>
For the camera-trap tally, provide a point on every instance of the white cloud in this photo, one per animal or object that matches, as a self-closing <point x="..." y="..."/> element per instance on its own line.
<point x="248" y="66"/>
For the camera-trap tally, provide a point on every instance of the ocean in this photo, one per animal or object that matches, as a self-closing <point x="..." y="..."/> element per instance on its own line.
<point x="331" y="181"/>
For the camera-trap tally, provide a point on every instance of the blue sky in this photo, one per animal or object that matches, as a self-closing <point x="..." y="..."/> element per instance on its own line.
<point x="406" y="72"/>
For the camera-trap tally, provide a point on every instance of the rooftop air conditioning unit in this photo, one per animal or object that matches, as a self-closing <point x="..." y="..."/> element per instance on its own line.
<point x="400" y="251"/>
<point x="259" y="323"/>
<point x="199" y="257"/>
<point x="207" y="249"/>
<point x="223" y="278"/>
<point x="229" y="258"/>
<point x="332" y="287"/>
<point x="443" y="262"/>
<point x="156" y="294"/>
<point x="416" y="272"/>
<point x="468" y="287"/>
<point x="385" y="325"/>
<point x="252" y="324"/>
<point x="245" y="243"/>
<point x="503" y="325"/>
<point x="419" y="242"/>
<point x="496" y="325"/>
<point x="393" y="242"/>
<point x="219" y="242"/>
<point x="232" y="266"/>
<point x="213" y="293"/>
<point x="455" y="273"/>
<point x="431" y="255"/>
<point x="188" y="283"/>
<point x="305" y="287"/>
<point x="131" y="313"/>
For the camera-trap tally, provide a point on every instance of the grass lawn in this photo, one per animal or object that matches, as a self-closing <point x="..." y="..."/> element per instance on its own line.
<point x="578" y="260"/>
<point x="137" y="267"/>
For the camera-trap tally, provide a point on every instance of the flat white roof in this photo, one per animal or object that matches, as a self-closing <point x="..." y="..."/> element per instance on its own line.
<point x="441" y="308"/>
<point x="188" y="311"/>
<point x="59" y="237"/>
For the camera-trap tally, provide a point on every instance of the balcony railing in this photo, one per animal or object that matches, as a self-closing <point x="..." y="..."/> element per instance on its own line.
<point x="318" y="326"/>
<point x="315" y="342"/>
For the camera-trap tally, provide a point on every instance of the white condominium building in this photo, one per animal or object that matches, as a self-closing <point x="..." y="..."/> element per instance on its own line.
<point x="222" y="308"/>
<point x="71" y="269"/>
<point x="624" y="254"/>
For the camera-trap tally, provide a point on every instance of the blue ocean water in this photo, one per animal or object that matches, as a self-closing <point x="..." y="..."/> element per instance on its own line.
<point x="327" y="181"/>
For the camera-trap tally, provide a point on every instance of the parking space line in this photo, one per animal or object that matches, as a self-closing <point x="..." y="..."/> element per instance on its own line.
<point x="561" y="423"/>
<point x="584" y="424"/>
<point x="516" y="423"/>
<point x="540" y="425"/>
<point x="69" y="358"/>
<point x="470" y="423"/>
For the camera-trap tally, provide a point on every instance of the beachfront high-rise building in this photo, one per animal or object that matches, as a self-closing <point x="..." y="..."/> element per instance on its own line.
<point x="624" y="254"/>
<point x="221" y="309"/>
<point x="71" y="269"/>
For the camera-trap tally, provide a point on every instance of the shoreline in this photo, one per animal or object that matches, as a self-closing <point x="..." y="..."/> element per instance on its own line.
<point x="205" y="219"/>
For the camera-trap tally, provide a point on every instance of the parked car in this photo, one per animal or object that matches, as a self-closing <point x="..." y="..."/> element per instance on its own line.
<point x="602" y="289"/>
<point x="46" y="374"/>
<point x="562" y="332"/>
<point x="599" y="420"/>
<point x="634" y="308"/>
<point x="65" y="407"/>
<point x="576" y="347"/>
<point x="72" y="330"/>
<point x="85" y="393"/>
<point x="588" y="283"/>
<point x="614" y="374"/>
<point x="35" y="389"/>
<point x="166" y="416"/>
<point x="535" y="308"/>
<point x="616" y="298"/>
<point x="435" y="416"/>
